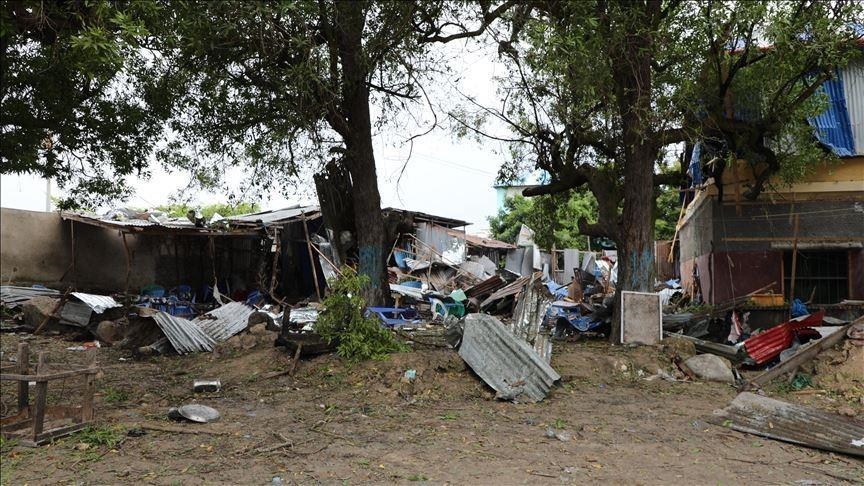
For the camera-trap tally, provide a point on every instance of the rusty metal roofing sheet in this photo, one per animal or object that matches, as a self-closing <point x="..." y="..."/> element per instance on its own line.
<point x="512" y="289"/>
<point x="489" y="285"/>
<point x="767" y="345"/>
<point x="223" y="322"/>
<point x="506" y="363"/>
<point x="774" y="419"/>
<point x="99" y="303"/>
<point x="185" y="336"/>
<point x="12" y="296"/>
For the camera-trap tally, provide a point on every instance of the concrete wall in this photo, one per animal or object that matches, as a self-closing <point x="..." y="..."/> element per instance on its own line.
<point x="36" y="247"/>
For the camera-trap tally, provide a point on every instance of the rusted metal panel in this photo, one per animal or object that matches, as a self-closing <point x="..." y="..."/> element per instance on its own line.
<point x="774" y="419"/>
<point x="506" y="363"/>
<point x="512" y="289"/>
<point x="767" y="345"/>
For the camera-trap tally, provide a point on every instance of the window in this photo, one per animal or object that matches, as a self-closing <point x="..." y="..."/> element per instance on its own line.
<point x="822" y="274"/>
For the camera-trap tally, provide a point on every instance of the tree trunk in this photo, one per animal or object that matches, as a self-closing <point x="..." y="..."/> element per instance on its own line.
<point x="632" y="78"/>
<point x="360" y="160"/>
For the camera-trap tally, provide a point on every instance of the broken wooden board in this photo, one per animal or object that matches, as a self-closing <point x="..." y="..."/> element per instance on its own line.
<point x="774" y="419"/>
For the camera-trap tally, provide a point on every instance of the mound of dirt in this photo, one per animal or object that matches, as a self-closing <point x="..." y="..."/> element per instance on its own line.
<point x="841" y="370"/>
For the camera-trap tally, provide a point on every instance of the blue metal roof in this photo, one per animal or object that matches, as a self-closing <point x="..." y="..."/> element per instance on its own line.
<point x="832" y="127"/>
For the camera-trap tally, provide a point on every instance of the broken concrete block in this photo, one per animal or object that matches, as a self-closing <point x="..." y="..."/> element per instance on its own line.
<point x="711" y="367"/>
<point x="36" y="309"/>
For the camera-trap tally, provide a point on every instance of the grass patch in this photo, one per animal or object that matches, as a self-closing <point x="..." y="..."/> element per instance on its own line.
<point x="417" y="477"/>
<point x="96" y="436"/>
<point x="116" y="396"/>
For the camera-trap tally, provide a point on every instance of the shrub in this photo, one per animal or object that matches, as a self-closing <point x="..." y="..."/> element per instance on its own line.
<point x="360" y="338"/>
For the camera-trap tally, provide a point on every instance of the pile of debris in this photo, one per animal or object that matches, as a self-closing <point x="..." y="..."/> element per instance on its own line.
<point x="149" y="325"/>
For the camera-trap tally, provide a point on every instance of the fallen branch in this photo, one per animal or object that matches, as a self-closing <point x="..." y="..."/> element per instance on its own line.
<point x="179" y="430"/>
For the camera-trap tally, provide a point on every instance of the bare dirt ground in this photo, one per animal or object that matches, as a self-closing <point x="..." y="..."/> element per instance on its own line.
<point x="337" y="424"/>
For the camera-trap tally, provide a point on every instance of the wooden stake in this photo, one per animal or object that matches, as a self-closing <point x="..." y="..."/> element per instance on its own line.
<point x="128" y="262"/>
<point x="54" y="311"/>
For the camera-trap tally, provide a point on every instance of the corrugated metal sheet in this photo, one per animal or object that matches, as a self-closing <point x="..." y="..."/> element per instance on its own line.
<point x="853" y="85"/>
<point x="99" y="303"/>
<point x="276" y="215"/>
<point x="832" y="125"/>
<point x="529" y="317"/>
<point x="513" y="288"/>
<point x="226" y="321"/>
<point x="766" y="417"/>
<point x="76" y="314"/>
<point x="185" y="336"/>
<point x="767" y="345"/>
<point x="447" y="248"/>
<point x="505" y="362"/>
<point x="12" y="296"/>
<point x="487" y="286"/>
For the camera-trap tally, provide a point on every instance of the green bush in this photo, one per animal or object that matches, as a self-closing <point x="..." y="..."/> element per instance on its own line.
<point x="360" y="338"/>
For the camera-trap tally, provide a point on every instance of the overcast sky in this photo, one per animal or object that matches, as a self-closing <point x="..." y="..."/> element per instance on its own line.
<point x="445" y="176"/>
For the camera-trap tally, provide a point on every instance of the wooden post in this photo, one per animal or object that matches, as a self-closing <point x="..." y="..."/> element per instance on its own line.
<point x="41" y="398"/>
<point x="89" y="390"/>
<point x="128" y="263"/>
<point x="311" y="259"/>
<point x="794" y="263"/>
<point x="74" y="258"/>
<point x="276" y="253"/>
<point x="23" y="369"/>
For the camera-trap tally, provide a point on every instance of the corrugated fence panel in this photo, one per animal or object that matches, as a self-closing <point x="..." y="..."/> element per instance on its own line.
<point x="766" y="417"/>
<point x="853" y="84"/>
<point x="505" y="362"/>
<point x="183" y="334"/>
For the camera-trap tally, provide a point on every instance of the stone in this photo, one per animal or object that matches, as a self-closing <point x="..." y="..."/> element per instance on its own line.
<point x="108" y="332"/>
<point x="258" y="329"/>
<point x="847" y="411"/>
<point x="36" y="309"/>
<point x="248" y="341"/>
<point x="711" y="367"/>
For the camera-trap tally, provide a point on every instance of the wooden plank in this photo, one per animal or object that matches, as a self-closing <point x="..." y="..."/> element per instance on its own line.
<point x="89" y="391"/>
<point x="47" y="376"/>
<point x="23" y="368"/>
<point x="802" y="356"/>
<point x="792" y="238"/>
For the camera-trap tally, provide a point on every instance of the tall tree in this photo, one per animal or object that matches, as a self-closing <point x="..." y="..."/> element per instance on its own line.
<point x="598" y="91"/>
<point x="76" y="104"/>
<point x="278" y="86"/>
